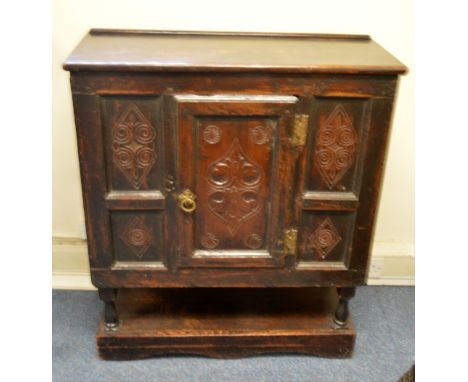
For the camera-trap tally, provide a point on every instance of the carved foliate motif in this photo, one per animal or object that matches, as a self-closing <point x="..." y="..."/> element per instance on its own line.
<point x="324" y="238"/>
<point x="133" y="145"/>
<point x="233" y="187"/>
<point x="336" y="146"/>
<point x="137" y="236"/>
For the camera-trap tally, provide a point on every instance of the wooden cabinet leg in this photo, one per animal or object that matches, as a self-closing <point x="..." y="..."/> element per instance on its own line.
<point x="108" y="295"/>
<point x="342" y="310"/>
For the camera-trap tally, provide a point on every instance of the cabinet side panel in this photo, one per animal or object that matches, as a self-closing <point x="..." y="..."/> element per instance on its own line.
<point x="374" y="165"/>
<point x="93" y="178"/>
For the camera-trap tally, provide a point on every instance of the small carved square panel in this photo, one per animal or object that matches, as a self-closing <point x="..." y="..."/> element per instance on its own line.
<point x="336" y="144"/>
<point x="134" y="136"/>
<point x="234" y="160"/>
<point x="137" y="236"/>
<point x="325" y="236"/>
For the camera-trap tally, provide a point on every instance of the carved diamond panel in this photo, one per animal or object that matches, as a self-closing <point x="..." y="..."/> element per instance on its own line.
<point x="133" y="145"/>
<point x="233" y="187"/>
<point x="324" y="238"/>
<point x="137" y="236"/>
<point x="336" y="146"/>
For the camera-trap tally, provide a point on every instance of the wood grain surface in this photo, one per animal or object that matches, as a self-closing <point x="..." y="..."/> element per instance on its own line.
<point x="226" y="323"/>
<point x="156" y="51"/>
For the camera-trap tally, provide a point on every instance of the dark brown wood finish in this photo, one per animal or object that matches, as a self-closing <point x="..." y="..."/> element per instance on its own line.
<point x="200" y="322"/>
<point x="233" y="156"/>
<point x="153" y="51"/>
<point x="229" y="160"/>
<point x="108" y="296"/>
<point x="342" y="309"/>
<point x="306" y="85"/>
<point x="93" y="182"/>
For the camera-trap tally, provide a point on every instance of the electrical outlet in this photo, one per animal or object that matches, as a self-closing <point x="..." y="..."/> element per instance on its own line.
<point x="83" y="231"/>
<point x="376" y="267"/>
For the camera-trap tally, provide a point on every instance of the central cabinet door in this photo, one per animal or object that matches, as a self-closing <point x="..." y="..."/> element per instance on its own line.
<point x="235" y="170"/>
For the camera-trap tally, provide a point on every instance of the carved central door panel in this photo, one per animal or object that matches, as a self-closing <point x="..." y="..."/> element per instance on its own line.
<point x="234" y="169"/>
<point x="233" y="165"/>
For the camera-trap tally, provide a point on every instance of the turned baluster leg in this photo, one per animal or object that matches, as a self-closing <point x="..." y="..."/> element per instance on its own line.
<point x="108" y="295"/>
<point x="342" y="310"/>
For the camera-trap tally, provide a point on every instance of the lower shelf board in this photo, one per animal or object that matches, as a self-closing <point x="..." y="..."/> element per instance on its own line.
<point x="225" y="323"/>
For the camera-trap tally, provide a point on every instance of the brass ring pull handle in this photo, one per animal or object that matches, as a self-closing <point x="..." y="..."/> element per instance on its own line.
<point x="187" y="201"/>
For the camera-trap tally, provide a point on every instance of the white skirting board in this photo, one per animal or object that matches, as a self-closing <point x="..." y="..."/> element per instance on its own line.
<point x="392" y="263"/>
<point x="72" y="280"/>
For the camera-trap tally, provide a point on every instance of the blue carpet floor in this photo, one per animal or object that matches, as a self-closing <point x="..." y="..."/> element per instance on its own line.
<point x="384" y="351"/>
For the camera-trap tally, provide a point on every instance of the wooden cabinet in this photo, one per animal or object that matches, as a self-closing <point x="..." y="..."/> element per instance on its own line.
<point x="227" y="160"/>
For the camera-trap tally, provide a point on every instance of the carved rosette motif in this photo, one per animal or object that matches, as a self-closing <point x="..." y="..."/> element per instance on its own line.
<point x="336" y="146"/>
<point x="209" y="240"/>
<point x="324" y="238"/>
<point x="233" y="187"/>
<point x="260" y="135"/>
<point x="133" y="145"/>
<point x="212" y="134"/>
<point x="137" y="236"/>
<point x="253" y="241"/>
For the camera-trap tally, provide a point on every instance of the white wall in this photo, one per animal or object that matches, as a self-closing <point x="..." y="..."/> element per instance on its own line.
<point x="390" y="23"/>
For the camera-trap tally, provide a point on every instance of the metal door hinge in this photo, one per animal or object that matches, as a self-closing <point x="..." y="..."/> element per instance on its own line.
<point x="300" y="126"/>
<point x="290" y="241"/>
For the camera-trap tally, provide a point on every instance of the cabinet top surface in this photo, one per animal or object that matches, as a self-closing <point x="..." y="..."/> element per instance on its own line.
<point x="131" y="50"/>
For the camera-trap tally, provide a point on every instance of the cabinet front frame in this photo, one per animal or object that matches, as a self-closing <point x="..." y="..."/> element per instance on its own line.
<point x="87" y="87"/>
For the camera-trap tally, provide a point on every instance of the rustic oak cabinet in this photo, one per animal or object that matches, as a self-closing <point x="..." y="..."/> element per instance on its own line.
<point x="223" y="176"/>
